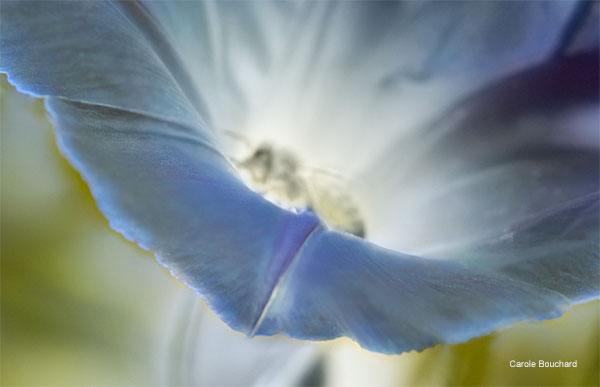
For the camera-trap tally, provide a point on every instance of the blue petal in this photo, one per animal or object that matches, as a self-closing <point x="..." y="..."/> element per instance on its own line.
<point x="125" y="123"/>
<point x="179" y="198"/>
<point x="247" y="57"/>
<point x="522" y="145"/>
<point x="390" y="302"/>
<point x="556" y="249"/>
<point x="127" y="120"/>
<point x="88" y="52"/>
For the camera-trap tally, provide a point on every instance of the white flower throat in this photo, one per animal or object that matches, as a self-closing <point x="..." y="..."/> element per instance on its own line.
<point x="277" y="174"/>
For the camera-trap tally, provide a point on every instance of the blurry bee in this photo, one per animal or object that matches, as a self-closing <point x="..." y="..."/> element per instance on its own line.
<point x="278" y="174"/>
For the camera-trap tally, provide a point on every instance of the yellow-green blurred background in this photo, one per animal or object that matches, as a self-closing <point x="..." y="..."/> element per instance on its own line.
<point x="80" y="305"/>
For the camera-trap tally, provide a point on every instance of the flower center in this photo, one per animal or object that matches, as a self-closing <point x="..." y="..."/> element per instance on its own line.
<point x="277" y="174"/>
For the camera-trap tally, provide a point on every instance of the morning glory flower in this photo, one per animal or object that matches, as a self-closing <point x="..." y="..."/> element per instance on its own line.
<point x="400" y="173"/>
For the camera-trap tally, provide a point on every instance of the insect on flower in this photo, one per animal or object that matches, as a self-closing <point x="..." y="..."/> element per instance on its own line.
<point x="277" y="172"/>
<point x="467" y="134"/>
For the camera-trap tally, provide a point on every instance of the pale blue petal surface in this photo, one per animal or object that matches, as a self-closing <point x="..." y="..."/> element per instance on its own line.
<point x="296" y="58"/>
<point x="517" y="147"/>
<point x="124" y="123"/>
<point x="177" y="198"/>
<point x="128" y="119"/>
<point x="556" y="249"/>
<point x="88" y="52"/>
<point x="390" y="302"/>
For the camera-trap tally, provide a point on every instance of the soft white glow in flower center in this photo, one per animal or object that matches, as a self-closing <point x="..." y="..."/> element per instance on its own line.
<point x="277" y="174"/>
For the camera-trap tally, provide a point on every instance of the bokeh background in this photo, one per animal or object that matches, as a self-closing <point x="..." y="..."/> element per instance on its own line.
<point x="80" y="305"/>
